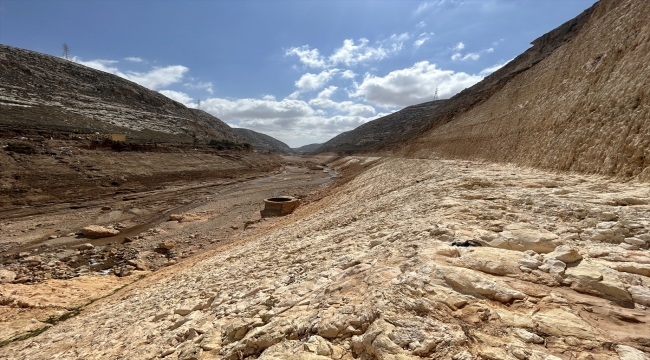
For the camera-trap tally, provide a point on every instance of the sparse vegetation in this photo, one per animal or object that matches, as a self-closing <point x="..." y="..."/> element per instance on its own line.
<point x="228" y="145"/>
<point x="21" y="148"/>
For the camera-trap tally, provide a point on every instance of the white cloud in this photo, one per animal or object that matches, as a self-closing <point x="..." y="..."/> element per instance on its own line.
<point x="307" y="56"/>
<point x="491" y="69"/>
<point x="468" y="56"/>
<point x="350" y="53"/>
<point x="458" y="56"/>
<point x="134" y="59"/>
<point x="158" y="76"/>
<point x="348" y="74"/>
<point x="268" y="97"/>
<point x="98" y="64"/>
<point x="323" y="100"/>
<point x="207" y="86"/>
<point x="413" y="85"/>
<point x="422" y="39"/>
<point x="181" y="97"/>
<point x="257" y="109"/>
<point x="153" y="79"/>
<point x="435" y="4"/>
<point x="293" y="121"/>
<point x="311" y="81"/>
<point x="421" y="24"/>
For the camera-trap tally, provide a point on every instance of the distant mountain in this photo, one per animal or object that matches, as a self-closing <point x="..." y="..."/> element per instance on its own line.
<point x="393" y="128"/>
<point x="307" y="148"/>
<point x="263" y="142"/>
<point x="47" y="92"/>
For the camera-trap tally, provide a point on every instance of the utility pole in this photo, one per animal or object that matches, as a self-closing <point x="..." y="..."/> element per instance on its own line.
<point x="66" y="51"/>
<point x="435" y="95"/>
<point x="199" y="105"/>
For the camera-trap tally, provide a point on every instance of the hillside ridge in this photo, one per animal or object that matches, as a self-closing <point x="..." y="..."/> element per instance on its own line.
<point x="43" y="90"/>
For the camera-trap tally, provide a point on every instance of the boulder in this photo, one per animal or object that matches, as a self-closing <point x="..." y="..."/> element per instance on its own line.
<point x="167" y="244"/>
<point x="564" y="253"/>
<point x="32" y="260"/>
<point x="588" y="279"/>
<point x="632" y="268"/>
<point x="640" y="294"/>
<point x="527" y="336"/>
<point x="7" y="276"/>
<point x="629" y="353"/>
<point x="522" y="237"/>
<point x="471" y="282"/>
<point x="86" y="246"/>
<point x="96" y="231"/>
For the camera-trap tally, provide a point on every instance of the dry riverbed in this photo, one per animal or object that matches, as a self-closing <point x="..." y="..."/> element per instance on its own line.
<point x="48" y="268"/>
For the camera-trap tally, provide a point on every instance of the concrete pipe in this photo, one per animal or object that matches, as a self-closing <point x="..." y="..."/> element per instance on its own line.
<point x="279" y="206"/>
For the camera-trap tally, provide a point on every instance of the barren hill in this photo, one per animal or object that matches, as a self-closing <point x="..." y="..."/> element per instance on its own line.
<point x="581" y="103"/>
<point x="307" y="148"/>
<point x="263" y="142"/>
<point x="394" y="128"/>
<point x="43" y="91"/>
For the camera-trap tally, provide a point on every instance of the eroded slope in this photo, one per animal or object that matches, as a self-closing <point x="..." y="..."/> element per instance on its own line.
<point x="369" y="272"/>
<point x="582" y="108"/>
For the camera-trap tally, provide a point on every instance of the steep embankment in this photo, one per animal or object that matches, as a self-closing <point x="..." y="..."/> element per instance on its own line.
<point x="394" y="128"/>
<point x="584" y="107"/>
<point x="45" y="92"/>
<point x="263" y="142"/>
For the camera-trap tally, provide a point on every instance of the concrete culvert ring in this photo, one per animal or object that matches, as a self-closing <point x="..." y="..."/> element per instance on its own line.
<point x="279" y="199"/>
<point x="279" y="206"/>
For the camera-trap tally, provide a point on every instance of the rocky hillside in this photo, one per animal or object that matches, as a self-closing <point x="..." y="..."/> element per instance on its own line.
<point x="383" y="269"/>
<point x="306" y="148"/>
<point x="263" y="142"/>
<point x="576" y="101"/>
<point x="224" y="131"/>
<point x="43" y="91"/>
<point x="394" y="128"/>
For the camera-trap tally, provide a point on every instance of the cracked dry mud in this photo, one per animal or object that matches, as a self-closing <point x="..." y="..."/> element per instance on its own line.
<point x="369" y="272"/>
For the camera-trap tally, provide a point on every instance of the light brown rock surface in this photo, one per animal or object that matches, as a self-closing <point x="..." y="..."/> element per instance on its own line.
<point x="368" y="272"/>
<point x="96" y="231"/>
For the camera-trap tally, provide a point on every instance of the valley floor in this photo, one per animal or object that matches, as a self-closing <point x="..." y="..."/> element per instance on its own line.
<point x="560" y="270"/>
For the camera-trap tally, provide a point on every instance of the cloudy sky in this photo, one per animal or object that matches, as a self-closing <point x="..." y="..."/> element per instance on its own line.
<point x="301" y="71"/>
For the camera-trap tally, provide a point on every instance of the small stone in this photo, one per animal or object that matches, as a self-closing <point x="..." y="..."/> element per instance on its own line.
<point x="175" y="217"/>
<point x="53" y="237"/>
<point x="32" y="260"/>
<point x="627" y="246"/>
<point x="608" y="216"/>
<point x="167" y="244"/>
<point x="139" y="264"/>
<point x="634" y="241"/>
<point x="86" y="246"/>
<point x="527" y="336"/>
<point x="96" y="231"/>
<point x="106" y="208"/>
<point x="7" y="276"/>
<point x="629" y="353"/>
<point x="564" y="253"/>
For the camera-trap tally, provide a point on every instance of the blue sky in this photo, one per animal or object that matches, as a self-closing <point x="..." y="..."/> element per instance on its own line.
<point x="301" y="71"/>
